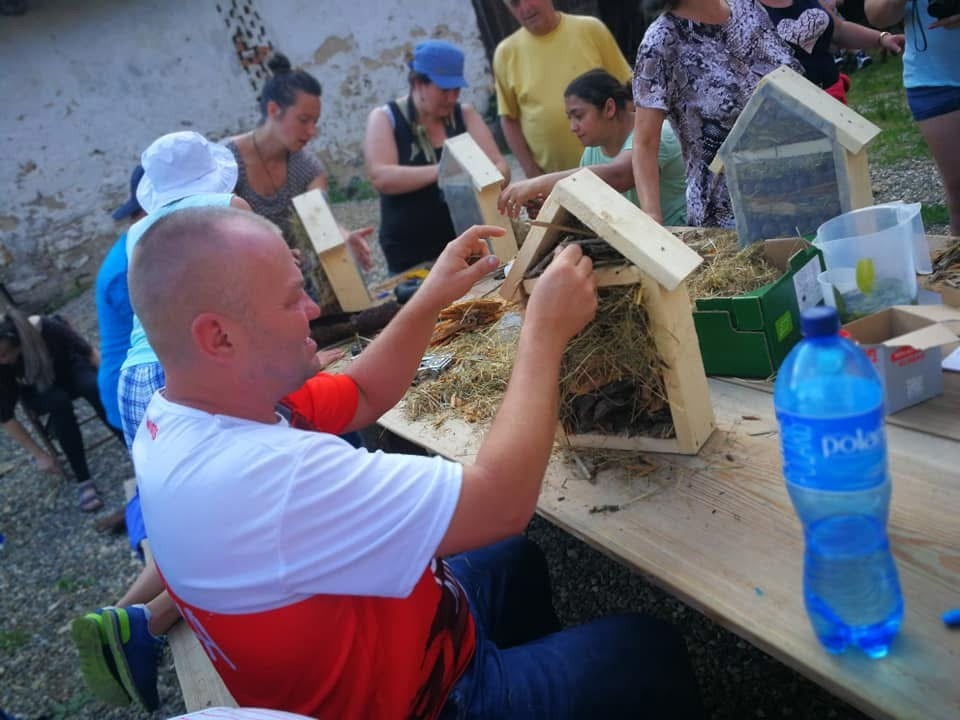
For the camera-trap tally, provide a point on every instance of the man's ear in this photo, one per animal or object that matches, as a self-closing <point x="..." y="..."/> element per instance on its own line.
<point x="214" y="336"/>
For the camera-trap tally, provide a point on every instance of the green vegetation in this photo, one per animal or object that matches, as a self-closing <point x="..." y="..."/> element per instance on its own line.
<point x="71" y="584"/>
<point x="10" y="640"/>
<point x="935" y="215"/>
<point x="357" y="189"/>
<point x="877" y="93"/>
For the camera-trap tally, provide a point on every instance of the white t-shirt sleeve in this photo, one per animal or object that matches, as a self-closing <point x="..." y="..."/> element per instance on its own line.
<point x="361" y="523"/>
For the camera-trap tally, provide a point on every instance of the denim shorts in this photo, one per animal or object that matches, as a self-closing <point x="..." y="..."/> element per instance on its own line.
<point x="933" y="101"/>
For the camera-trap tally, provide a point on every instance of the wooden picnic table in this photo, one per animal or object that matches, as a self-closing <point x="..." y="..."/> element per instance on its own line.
<point x="718" y="531"/>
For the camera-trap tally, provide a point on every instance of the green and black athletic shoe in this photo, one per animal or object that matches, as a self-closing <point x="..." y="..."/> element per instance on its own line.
<point x="96" y="661"/>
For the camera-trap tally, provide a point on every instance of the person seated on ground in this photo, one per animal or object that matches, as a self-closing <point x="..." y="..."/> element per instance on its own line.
<point x="697" y="66"/>
<point x="600" y="110"/>
<point x="812" y="29"/>
<point x="335" y="582"/>
<point x="45" y="364"/>
<point x="531" y="67"/>
<point x="114" y="314"/>
<point x="402" y="148"/>
<point x="274" y="165"/>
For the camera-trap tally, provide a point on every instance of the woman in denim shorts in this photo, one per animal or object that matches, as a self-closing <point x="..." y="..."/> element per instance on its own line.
<point x="931" y="75"/>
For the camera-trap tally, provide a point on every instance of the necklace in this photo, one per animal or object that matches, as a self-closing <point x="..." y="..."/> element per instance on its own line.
<point x="263" y="163"/>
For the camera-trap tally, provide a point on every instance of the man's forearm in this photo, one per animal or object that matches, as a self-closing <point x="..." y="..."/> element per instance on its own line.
<point x="384" y="370"/>
<point x="517" y="447"/>
<point x="518" y="146"/>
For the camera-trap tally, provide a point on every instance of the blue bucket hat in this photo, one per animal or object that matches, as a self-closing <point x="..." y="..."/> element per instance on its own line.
<point x="131" y="206"/>
<point x="440" y="61"/>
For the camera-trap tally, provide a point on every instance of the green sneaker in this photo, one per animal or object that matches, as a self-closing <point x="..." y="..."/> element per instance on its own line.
<point x="96" y="664"/>
<point x="135" y="652"/>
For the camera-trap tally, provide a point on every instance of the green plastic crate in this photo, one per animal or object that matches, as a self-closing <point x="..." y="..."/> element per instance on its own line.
<point x="750" y="335"/>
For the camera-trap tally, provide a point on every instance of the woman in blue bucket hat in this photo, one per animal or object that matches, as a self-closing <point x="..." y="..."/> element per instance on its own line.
<point x="402" y="148"/>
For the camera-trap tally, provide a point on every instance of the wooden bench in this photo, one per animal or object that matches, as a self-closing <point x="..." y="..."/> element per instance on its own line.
<point x="200" y="684"/>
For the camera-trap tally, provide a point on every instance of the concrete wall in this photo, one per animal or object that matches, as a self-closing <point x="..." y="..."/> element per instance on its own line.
<point x="87" y="85"/>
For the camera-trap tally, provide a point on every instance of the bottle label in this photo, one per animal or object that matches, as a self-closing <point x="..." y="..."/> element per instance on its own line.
<point x="839" y="453"/>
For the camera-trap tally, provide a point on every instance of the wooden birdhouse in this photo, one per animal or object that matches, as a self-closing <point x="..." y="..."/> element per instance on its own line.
<point x="640" y="270"/>
<point x="341" y="272"/>
<point x="795" y="158"/>
<point x="471" y="185"/>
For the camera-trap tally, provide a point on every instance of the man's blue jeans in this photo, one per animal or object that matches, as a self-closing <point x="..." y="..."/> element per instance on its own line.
<point x="526" y="667"/>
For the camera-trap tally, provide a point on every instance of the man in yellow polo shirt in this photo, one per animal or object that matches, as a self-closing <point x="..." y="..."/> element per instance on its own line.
<point x="533" y="66"/>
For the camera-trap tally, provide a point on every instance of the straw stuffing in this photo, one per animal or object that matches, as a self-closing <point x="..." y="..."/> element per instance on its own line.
<point x="728" y="270"/>
<point x="611" y="379"/>
<point x="946" y="266"/>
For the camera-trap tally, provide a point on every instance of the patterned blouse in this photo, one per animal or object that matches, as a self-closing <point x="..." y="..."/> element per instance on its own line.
<point x="302" y="169"/>
<point x="701" y="75"/>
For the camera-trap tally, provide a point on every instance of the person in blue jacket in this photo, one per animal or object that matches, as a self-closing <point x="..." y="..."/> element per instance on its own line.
<point x="114" y="313"/>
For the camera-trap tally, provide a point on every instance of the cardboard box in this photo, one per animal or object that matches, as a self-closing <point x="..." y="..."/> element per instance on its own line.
<point x="906" y="344"/>
<point x="750" y="335"/>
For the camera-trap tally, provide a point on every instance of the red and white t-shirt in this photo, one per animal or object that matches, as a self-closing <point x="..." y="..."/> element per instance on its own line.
<point x="306" y="567"/>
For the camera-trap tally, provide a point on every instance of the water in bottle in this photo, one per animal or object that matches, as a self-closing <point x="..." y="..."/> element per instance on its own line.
<point x="829" y="403"/>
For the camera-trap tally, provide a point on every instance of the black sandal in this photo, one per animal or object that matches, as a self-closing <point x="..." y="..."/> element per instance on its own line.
<point x="87" y="498"/>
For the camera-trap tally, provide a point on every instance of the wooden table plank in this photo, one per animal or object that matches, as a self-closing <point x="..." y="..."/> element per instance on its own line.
<point x="936" y="416"/>
<point x="721" y="534"/>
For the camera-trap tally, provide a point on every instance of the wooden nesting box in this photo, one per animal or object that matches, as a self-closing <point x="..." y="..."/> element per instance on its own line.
<point x="332" y="251"/>
<point x="658" y="263"/>
<point x="795" y="158"/>
<point x="471" y="185"/>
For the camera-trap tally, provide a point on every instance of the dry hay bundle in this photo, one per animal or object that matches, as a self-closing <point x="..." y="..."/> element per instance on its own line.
<point x="612" y="376"/>
<point x="473" y="386"/>
<point x="465" y="316"/>
<point x="946" y="266"/>
<point x="728" y="270"/>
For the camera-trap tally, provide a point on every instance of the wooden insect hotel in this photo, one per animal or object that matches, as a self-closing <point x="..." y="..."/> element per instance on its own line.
<point x="633" y="379"/>
<point x="328" y="242"/>
<point x="471" y="183"/>
<point x="795" y="158"/>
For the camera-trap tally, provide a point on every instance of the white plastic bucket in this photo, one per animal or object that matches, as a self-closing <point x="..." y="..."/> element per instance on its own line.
<point x="881" y="236"/>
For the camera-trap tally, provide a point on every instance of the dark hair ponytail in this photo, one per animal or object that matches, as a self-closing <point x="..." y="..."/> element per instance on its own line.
<point x="285" y="83"/>
<point x="597" y="86"/>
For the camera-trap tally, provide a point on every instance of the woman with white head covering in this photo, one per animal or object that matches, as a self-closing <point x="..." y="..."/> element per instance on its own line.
<point x="181" y="169"/>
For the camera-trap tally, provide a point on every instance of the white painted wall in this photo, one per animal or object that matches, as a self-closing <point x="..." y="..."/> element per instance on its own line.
<point x="85" y="86"/>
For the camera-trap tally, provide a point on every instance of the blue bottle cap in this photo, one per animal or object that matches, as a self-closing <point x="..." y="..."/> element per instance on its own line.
<point x="819" y="320"/>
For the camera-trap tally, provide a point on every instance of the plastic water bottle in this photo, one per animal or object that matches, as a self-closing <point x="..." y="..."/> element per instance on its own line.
<point x="829" y="403"/>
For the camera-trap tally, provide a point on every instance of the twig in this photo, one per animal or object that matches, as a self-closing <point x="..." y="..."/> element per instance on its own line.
<point x="563" y="228"/>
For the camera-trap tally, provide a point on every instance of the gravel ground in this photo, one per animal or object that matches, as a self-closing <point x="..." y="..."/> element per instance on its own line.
<point x="55" y="565"/>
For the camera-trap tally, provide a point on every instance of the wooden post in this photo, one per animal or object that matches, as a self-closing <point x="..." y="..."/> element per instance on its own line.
<point x="332" y="251"/>
<point x="856" y="178"/>
<point x="487" y="181"/>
